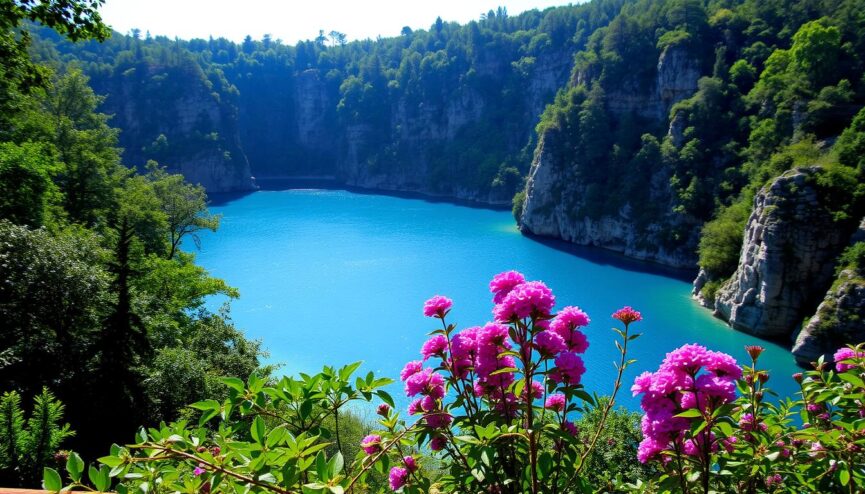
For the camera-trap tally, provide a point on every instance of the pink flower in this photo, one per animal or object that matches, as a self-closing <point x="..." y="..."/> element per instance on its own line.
<point x="525" y="300"/>
<point x="846" y="354"/>
<point x="569" y="318"/>
<point x="434" y="346"/>
<point x="549" y="343"/>
<point x="642" y="383"/>
<point x="556" y="402"/>
<point x="537" y="390"/>
<point x="438" y="443"/>
<point x="503" y="283"/>
<point x="722" y="365"/>
<point x="425" y="382"/>
<point x="438" y="419"/>
<point x="570" y="428"/>
<point x="415" y="407"/>
<point x="410" y="368"/>
<point x="774" y="480"/>
<point x="198" y="471"/>
<point x="410" y="463"/>
<point x="371" y="444"/>
<point x="686" y="358"/>
<point x="626" y="315"/>
<point x="437" y="306"/>
<point x="398" y="478"/>
<point x="649" y="448"/>
<point x="569" y="369"/>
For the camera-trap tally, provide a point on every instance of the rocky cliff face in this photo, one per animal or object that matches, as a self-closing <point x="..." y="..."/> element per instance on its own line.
<point x="840" y="317"/>
<point x="171" y="114"/>
<point x="839" y="320"/>
<point x="787" y="260"/>
<point x="555" y="193"/>
<point x="552" y="195"/>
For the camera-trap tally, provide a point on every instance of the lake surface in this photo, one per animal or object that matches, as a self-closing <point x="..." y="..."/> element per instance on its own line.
<point x="332" y="277"/>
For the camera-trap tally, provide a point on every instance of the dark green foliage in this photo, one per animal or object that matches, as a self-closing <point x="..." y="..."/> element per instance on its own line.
<point x="27" y="191"/>
<point x="94" y="282"/>
<point x="614" y="455"/>
<point x="26" y="446"/>
<point x="853" y="258"/>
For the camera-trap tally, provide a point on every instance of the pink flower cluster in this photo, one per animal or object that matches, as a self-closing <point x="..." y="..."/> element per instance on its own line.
<point x="689" y="377"/>
<point x="437" y="306"/>
<point x="431" y="386"/>
<point x="626" y="315"/>
<point x="479" y="349"/>
<point x="399" y="476"/>
<point x="371" y="444"/>
<point x="843" y="358"/>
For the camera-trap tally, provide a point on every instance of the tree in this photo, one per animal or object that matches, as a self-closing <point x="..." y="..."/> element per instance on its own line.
<point x="27" y="192"/>
<point x="27" y="446"/>
<point x="184" y="206"/>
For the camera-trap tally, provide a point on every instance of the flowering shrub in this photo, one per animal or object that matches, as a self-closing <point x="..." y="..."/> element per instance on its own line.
<point x="496" y="408"/>
<point x="497" y="403"/>
<point x="708" y="441"/>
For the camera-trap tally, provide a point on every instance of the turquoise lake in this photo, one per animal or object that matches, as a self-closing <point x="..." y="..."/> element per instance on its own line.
<point x="332" y="277"/>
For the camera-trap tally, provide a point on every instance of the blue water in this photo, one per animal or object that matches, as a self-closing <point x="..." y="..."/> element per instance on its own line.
<point x="332" y="277"/>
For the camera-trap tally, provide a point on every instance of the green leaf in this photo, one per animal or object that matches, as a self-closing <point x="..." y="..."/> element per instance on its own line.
<point x="75" y="466"/>
<point x="51" y="480"/>
<point x="348" y="370"/>
<point x="100" y="478"/>
<point x="385" y="397"/>
<point x="503" y="370"/>
<point x="111" y="461"/>
<point x="844" y="476"/>
<point x="233" y="383"/>
<point x="257" y="429"/>
<point x="689" y="414"/>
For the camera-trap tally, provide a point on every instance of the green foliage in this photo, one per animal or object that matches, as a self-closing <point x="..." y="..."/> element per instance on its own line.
<point x="272" y="435"/>
<point x="853" y="258"/>
<point x="612" y="460"/>
<point x="721" y="240"/>
<point x="27" y="446"/>
<point x="517" y="205"/>
<point x="28" y="194"/>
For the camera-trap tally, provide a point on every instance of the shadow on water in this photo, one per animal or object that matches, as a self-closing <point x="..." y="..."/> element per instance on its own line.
<point x="596" y="255"/>
<point x="605" y="257"/>
<point x="225" y="198"/>
<point x="330" y="183"/>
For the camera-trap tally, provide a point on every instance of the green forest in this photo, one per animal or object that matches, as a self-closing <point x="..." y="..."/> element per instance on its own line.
<point x="111" y="142"/>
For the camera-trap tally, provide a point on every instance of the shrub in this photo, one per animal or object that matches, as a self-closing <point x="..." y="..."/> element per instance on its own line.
<point x="500" y="408"/>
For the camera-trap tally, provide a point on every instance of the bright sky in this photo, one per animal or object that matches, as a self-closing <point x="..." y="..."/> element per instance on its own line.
<point x="293" y="20"/>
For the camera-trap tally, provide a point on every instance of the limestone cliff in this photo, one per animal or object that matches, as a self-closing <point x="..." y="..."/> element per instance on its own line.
<point x="559" y="185"/>
<point x="173" y="114"/>
<point x="839" y="320"/>
<point x="422" y="132"/>
<point x="840" y="317"/>
<point x="788" y="257"/>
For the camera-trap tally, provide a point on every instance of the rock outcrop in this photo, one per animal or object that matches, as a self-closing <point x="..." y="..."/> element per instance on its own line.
<point x="552" y="196"/>
<point x="173" y="115"/>
<point x="557" y="194"/>
<point x="839" y="320"/>
<point x="788" y="256"/>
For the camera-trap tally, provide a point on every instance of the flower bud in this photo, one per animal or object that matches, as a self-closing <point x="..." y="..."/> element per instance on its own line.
<point x="754" y="351"/>
<point x="383" y="410"/>
<point x="798" y="377"/>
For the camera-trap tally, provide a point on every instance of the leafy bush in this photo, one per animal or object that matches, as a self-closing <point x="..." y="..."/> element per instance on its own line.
<point x="27" y="445"/>
<point x="500" y="408"/>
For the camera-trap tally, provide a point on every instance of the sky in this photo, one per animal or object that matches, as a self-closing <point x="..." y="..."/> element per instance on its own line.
<point x="292" y="20"/>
